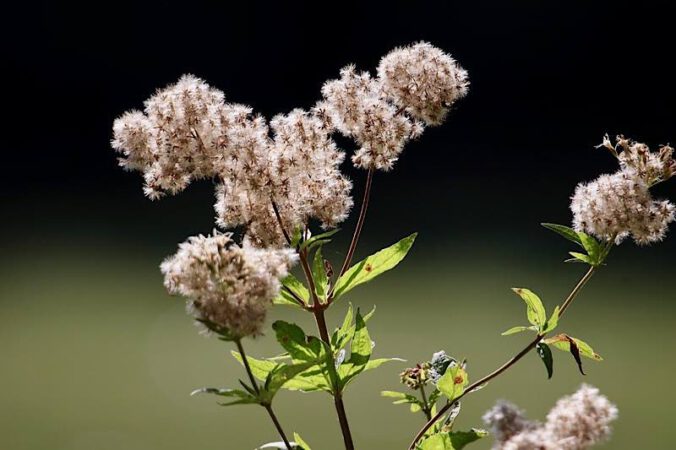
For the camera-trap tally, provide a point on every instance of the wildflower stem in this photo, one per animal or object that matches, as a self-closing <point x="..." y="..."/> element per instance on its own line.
<point x="427" y="408"/>
<point x="573" y="294"/>
<point x="360" y="223"/>
<point x="254" y="385"/>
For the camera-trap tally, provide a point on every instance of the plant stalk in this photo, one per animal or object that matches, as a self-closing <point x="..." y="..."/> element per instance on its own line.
<point x="573" y="294"/>
<point x="267" y="406"/>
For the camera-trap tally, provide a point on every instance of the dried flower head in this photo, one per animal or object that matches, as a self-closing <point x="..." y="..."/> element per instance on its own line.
<point x="178" y="137"/>
<point x="651" y="167"/>
<point x="297" y="169"/>
<point x="424" y="80"/>
<point x="576" y="422"/>
<point x="616" y="206"/>
<point x="581" y="420"/>
<point x="417" y="376"/>
<point x="506" y="420"/>
<point x="227" y="285"/>
<point x="356" y="107"/>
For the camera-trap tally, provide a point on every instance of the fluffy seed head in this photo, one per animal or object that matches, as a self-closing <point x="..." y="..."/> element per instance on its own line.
<point x="357" y="108"/>
<point x="576" y="422"/>
<point x="424" y="80"/>
<point x="227" y="285"/>
<point x="620" y="205"/>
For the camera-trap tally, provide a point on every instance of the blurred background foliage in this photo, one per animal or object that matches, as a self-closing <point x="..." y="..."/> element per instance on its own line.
<point x="97" y="356"/>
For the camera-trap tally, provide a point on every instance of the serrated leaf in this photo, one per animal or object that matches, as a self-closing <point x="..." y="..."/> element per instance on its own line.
<point x="342" y="335"/>
<point x="518" y="329"/>
<point x="282" y="375"/>
<point x="292" y="338"/>
<point x="535" y="310"/>
<point x="374" y="265"/>
<point x="259" y="368"/>
<point x="297" y="287"/>
<point x="360" y="352"/>
<point x="545" y="354"/>
<point x="309" y="381"/>
<point x="564" y="231"/>
<point x="452" y="384"/>
<point x="319" y="273"/>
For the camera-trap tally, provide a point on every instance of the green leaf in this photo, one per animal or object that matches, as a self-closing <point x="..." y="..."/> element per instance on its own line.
<point x="360" y="352"/>
<point x="292" y="338"/>
<point x="564" y="231"/>
<point x="297" y="236"/>
<point x="553" y="321"/>
<point x="402" y="398"/>
<point x="319" y="274"/>
<point x="282" y="375"/>
<point x="580" y="257"/>
<point x="562" y="342"/>
<point x="452" y="384"/>
<point x="302" y="445"/>
<point x="319" y="239"/>
<point x="545" y="354"/>
<point x="576" y="347"/>
<point x="519" y="329"/>
<point x="374" y="265"/>
<point x="311" y="380"/>
<point x="534" y="308"/>
<point x="295" y="285"/>
<point x="342" y="335"/>
<point x="455" y="440"/>
<point x="592" y="246"/>
<point x="242" y="398"/>
<point x="259" y="368"/>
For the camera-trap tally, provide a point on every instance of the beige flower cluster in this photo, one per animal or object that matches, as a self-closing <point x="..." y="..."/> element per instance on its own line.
<point x="576" y="422"/>
<point x="227" y="285"/>
<point x="415" y="86"/>
<point x="274" y="177"/>
<point x="616" y="206"/>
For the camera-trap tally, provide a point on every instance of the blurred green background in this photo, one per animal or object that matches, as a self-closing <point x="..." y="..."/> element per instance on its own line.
<point x="97" y="356"/>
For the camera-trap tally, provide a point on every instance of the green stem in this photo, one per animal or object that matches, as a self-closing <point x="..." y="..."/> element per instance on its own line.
<point x="267" y="406"/>
<point x="427" y="409"/>
<point x="573" y="294"/>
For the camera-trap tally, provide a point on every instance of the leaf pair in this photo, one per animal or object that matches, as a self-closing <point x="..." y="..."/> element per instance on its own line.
<point x="536" y="314"/>
<point x="595" y="252"/>
<point x="576" y="347"/>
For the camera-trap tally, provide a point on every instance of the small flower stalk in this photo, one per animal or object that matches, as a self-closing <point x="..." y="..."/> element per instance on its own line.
<point x="280" y="195"/>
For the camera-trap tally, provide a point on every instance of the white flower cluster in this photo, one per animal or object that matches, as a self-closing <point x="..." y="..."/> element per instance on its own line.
<point x="576" y="422"/>
<point x="415" y="86"/>
<point x="616" y="206"/>
<point x="225" y="284"/>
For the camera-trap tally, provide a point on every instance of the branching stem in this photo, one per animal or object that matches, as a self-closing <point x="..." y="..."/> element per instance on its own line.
<point x="576" y="290"/>
<point x="267" y="406"/>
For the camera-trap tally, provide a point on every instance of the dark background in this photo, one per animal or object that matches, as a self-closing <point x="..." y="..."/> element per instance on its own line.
<point x="80" y="244"/>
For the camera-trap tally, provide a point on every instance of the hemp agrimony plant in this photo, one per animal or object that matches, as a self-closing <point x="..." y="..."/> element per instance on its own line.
<point x="281" y="195"/>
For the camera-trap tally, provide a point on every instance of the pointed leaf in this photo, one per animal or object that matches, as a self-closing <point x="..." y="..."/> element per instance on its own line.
<point x="515" y="330"/>
<point x="319" y="273"/>
<point x="302" y="445"/>
<point x="564" y="231"/>
<point x="553" y="321"/>
<point x="534" y="308"/>
<point x="324" y="237"/>
<point x="292" y="338"/>
<point x="259" y="368"/>
<point x="374" y="265"/>
<point x="545" y="354"/>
